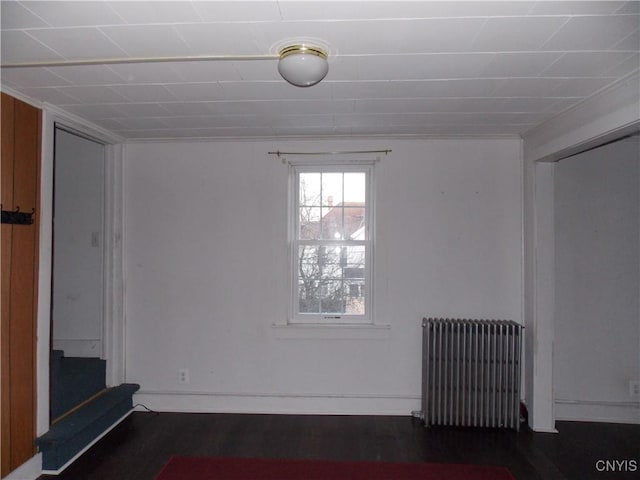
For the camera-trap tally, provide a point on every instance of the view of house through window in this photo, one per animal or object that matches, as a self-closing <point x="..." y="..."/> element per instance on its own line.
<point x="331" y="245"/>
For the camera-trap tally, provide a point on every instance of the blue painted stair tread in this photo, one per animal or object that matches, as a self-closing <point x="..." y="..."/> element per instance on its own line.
<point x="74" y="432"/>
<point x="74" y="380"/>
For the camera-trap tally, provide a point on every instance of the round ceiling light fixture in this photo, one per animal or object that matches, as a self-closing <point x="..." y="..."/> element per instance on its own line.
<point x="303" y="65"/>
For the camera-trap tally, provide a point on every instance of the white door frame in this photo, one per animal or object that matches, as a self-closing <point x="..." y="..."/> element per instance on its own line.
<point x="113" y="314"/>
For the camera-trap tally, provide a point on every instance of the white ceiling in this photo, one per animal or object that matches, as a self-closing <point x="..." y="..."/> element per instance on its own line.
<point x="395" y="68"/>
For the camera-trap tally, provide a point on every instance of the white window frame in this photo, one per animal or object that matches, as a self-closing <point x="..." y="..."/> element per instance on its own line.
<point x="295" y="317"/>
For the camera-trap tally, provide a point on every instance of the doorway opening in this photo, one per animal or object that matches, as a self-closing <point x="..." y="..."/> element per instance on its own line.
<point x="77" y="295"/>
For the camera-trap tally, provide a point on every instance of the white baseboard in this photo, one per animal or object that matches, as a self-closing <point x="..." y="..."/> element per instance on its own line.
<point x="29" y="470"/>
<point x="597" y="411"/>
<point x="207" y="402"/>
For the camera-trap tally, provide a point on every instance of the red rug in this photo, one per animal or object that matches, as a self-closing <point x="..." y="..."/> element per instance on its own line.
<point x="197" y="468"/>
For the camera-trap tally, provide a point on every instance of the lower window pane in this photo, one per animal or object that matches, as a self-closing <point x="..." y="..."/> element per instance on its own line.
<point x="309" y="296"/>
<point x="354" y="297"/>
<point x="332" y="299"/>
<point x="331" y="279"/>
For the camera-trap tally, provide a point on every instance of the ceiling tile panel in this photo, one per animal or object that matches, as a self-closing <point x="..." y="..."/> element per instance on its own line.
<point x="88" y="75"/>
<point x="574" y="7"/>
<point x="629" y="7"/>
<point x="519" y="64"/>
<point x="593" y="32"/>
<point x="191" y="92"/>
<point x="580" y="87"/>
<point x="211" y="71"/>
<point x="415" y="89"/>
<point x="421" y="67"/>
<point x="32" y="77"/>
<point x="246" y="11"/>
<point x="18" y="46"/>
<point x="93" y="94"/>
<point x="631" y="64"/>
<point x="94" y="112"/>
<point x="299" y="107"/>
<point x="273" y="91"/>
<point x="144" y="93"/>
<point x="145" y="12"/>
<point x="630" y="43"/>
<point x="404" y="36"/>
<point x="525" y="34"/>
<point x="51" y="95"/>
<point x="339" y="11"/>
<point x="78" y="43"/>
<point x="148" y="40"/>
<point x="252" y="71"/>
<point x="527" y="87"/>
<point x="74" y="14"/>
<point x="585" y="64"/>
<point x="15" y="16"/>
<point x="455" y="105"/>
<point x="185" y="122"/>
<point x="561" y="105"/>
<point x="157" y="73"/>
<point x="142" y="110"/>
<point x="220" y="39"/>
<point x="297" y="120"/>
<point x="186" y="109"/>
<point x="136" y="123"/>
<point x="529" y="104"/>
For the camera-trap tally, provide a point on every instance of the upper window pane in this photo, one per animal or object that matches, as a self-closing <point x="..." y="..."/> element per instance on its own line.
<point x="332" y="206"/>
<point x="309" y="225"/>
<point x="309" y="189"/>
<point x="332" y="189"/>
<point x="354" y="188"/>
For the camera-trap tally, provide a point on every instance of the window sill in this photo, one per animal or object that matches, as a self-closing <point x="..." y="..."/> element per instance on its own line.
<point x="287" y="331"/>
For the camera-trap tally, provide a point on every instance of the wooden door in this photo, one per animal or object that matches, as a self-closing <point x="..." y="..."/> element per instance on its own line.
<point x="20" y="174"/>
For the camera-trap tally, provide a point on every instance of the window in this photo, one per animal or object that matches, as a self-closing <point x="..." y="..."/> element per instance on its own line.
<point x="331" y="244"/>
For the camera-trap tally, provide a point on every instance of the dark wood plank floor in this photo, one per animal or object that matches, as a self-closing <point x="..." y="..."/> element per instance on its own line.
<point x="139" y="447"/>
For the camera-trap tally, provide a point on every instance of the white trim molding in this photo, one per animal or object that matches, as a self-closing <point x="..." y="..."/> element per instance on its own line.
<point x="539" y="270"/>
<point x="113" y="301"/>
<point x="612" y="113"/>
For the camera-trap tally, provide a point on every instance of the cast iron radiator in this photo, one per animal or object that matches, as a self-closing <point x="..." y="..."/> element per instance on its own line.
<point x="471" y="373"/>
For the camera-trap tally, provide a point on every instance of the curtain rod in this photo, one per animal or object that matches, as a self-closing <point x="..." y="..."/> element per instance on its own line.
<point x="345" y="152"/>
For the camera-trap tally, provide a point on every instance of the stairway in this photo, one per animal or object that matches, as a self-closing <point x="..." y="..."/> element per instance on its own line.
<point x="82" y="407"/>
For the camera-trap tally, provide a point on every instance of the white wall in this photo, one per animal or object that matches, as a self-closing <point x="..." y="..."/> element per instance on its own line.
<point x="206" y="272"/>
<point x="77" y="257"/>
<point x="597" y="279"/>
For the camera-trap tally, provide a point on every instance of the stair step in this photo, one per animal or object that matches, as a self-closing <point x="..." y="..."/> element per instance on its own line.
<point x="74" y="380"/>
<point x="78" y="429"/>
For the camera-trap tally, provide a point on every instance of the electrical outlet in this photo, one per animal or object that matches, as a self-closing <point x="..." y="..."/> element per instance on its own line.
<point x="183" y="375"/>
<point x="634" y="388"/>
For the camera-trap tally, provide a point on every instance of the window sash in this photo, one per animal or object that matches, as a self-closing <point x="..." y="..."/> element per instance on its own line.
<point x="349" y="285"/>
